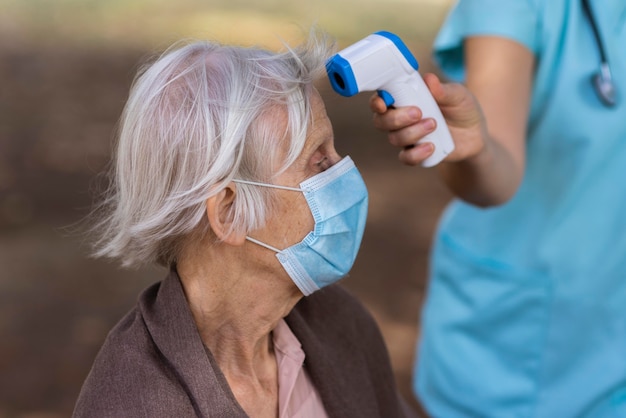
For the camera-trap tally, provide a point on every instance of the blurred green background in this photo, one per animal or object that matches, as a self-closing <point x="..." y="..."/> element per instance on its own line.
<point x="65" y="70"/>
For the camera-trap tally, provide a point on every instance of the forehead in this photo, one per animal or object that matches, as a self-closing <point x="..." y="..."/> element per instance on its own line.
<point x="319" y="132"/>
<point x="320" y="129"/>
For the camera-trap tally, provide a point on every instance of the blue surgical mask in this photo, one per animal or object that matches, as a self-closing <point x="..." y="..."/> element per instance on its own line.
<point x="337" y="198"/>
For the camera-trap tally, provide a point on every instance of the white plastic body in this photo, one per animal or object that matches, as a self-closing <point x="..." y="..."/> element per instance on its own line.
<point x="377" y="64"/>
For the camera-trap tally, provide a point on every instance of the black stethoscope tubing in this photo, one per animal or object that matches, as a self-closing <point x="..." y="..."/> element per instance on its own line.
<point x="602" y="81"/>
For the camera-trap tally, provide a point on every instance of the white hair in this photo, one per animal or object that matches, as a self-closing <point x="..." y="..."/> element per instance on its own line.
<point x="200" y="116"/>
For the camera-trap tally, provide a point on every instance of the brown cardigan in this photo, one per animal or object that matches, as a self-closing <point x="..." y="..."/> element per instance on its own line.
<point x="154" y="364"/>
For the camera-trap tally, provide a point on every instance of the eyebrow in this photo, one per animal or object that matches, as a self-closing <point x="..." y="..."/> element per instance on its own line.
<point x="327" y="136"/>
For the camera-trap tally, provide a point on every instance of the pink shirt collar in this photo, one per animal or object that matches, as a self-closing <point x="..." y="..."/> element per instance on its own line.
<point x="297" y="396"/>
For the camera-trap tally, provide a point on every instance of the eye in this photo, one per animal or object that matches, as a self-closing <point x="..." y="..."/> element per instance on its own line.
<point x="324" y="164"/>
<point x="321" y="162"/>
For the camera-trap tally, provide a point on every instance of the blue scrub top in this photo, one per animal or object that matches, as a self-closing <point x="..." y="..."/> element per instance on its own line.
<point x="526" y="308"/>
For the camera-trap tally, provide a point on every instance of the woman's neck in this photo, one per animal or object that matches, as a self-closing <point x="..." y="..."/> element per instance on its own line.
<point x="235" y="308"/>
<point x="236" y="302"/>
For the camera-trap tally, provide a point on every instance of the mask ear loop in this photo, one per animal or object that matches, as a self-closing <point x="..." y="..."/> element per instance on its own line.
<point x="262" y="244"/>
<point x="273" y="186"/>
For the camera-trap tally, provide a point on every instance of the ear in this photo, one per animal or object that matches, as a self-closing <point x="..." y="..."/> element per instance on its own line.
<point x="218" y="210"/>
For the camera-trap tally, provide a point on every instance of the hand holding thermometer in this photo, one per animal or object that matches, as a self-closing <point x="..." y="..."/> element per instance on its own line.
<point x="381" y="62"/>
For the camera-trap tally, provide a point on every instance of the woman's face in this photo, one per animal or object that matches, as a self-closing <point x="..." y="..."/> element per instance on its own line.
<point x="291" y="219"/>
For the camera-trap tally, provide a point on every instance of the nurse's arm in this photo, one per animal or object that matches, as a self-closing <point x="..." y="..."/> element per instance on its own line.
<point x="500" y="76"/>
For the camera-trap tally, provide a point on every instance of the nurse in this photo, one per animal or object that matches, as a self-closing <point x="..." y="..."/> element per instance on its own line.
<point x="526" y="308"/>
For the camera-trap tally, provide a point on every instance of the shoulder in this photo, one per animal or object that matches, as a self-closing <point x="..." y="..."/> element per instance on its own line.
<point x="518" y="20"/>
<point x="335" y="314"/>
<point x="345" y="349"/>
<point x="129" y="377"/>
<point x="334" y="300"/>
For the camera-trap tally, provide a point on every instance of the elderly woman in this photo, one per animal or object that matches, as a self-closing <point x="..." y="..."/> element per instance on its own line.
<point x="227" y="175"/>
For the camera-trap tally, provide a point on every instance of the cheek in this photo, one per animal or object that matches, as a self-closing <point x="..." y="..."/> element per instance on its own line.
<point x="295" y="220"/>
<point x="307" y="217"/>
<point x="301" y="213"/>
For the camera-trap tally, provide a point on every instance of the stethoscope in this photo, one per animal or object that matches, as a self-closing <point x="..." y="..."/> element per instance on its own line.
<point x="603" y="80"/>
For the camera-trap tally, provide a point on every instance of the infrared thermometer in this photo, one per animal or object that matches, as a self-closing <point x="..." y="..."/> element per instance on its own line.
<point x="381" y="62"/>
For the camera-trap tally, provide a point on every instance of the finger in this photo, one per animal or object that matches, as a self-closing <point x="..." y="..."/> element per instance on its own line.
<point x="417" y="154"/>
<point x="411" y="134"/>
<point x="397" y="118"/>
<point x="377" y="105"/>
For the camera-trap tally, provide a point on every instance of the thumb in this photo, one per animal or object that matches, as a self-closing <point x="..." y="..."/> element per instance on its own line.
<point x="448" y="94"/>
